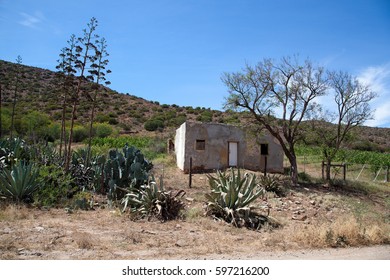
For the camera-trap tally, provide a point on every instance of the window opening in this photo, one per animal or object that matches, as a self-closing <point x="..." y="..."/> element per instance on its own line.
<point x="200" y="145"/>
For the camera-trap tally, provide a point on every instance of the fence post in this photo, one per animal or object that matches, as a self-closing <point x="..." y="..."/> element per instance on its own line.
<point x="265" y="165"/>
<point x="345" y="171"/>
<point x="190" y="174"/>
<point x="322" y="170"/>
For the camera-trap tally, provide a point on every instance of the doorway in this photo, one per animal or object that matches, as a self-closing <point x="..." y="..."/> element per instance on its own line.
<point x="233" y="154"/>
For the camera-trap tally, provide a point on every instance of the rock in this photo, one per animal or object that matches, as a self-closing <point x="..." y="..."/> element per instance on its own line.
<point x="39" y="228"/>
<point x="303" y="218"/>
<point x="312" y="202"/>
<point x="181" y="243"/>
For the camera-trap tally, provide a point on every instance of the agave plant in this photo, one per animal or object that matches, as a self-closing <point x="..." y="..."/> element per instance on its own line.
<point x="231" y="196"/>
<point x="273" y="183"/>
<point x="152" y="201"/>
<point x="20" y="182"/>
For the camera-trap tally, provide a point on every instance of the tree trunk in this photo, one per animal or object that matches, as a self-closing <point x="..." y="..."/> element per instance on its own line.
<point x="327" y="170"/>
<point x="63" y="127"/>
<point x="293" y="168"/>
<point x="294" y="172"/>
<point x="69" y="150"/>
<point x="91" y="132"/>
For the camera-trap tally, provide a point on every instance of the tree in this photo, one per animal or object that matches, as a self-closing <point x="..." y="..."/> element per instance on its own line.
<point x="351" y="110"/>
<point x="66" y="75"/>
<point x="279" y="95"/>
<point x="98" y="71"/>
<point x="75" y="60"/>
<point x="18" y="73"/>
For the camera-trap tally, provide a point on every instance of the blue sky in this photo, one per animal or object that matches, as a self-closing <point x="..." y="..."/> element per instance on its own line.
<point x="174" y="51"/>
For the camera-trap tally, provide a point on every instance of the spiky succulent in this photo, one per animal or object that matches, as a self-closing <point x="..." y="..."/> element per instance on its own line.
<point x="152" y="201"/>
<point x="231" y="196"/>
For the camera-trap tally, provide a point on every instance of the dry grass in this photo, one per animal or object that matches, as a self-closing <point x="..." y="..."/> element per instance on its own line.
<point x="344" y="231"/>
<point x="13" y="212"/>
<point x="312" y="217"/>
<point x="84" y="240"/>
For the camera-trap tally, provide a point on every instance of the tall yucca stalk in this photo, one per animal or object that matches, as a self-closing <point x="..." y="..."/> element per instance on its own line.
<point x="20" y="182"/>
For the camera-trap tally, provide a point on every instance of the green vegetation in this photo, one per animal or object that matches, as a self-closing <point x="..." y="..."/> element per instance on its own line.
<point x="152" y="201"/>
<point x="231" y="196"/>
<point x="375" y="159"/>
<point x="20" y="182"/>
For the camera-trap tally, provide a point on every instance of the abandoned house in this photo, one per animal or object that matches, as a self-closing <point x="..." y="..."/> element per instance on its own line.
<point x="218" y="146"/>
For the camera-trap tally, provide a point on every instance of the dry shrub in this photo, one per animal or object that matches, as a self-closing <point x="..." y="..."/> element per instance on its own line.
<point x="83" y="240"/>
<point x="344" y="231"/>
<point x="14" y="212"/>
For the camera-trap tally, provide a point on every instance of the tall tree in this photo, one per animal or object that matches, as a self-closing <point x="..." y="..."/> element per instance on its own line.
<point x="351" y="103"/>
<point x="83" y="59"/>
<point x="279" y="96"/>
<point x="66" y="67"/>
<point x="18" y="73"/>
<point x="98" y="71"/>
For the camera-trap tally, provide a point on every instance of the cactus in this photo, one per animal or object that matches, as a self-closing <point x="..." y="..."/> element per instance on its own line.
<point x="123" y="170"/>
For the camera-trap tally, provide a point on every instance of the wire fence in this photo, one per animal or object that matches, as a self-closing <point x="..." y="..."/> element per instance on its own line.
<point x="312" y="165"/>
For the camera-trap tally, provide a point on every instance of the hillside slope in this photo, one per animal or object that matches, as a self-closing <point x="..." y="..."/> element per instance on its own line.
<point x="38" y="90"/>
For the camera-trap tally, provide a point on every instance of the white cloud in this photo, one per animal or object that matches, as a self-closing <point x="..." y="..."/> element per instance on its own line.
<point x="31" y="21"/>
<point x="378" y="78"/>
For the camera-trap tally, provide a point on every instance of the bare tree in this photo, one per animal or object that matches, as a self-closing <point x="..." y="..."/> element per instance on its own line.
<point x="66" y="73"/>
<point x="83" y="59"/>
<point x="98" y="71"/>
<point x="16" y="91"/>
<point x="279" y="96"/>
<point x="352" y="109"/>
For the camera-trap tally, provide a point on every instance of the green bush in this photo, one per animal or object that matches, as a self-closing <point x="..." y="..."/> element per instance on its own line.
<point x="57" y="186"/>
<point x="102" y="130"/>
<point x="52" y="132"/>
<point x="153" y="125"/>
<point x="102" y="118"/>
<point x="80" y="133"/>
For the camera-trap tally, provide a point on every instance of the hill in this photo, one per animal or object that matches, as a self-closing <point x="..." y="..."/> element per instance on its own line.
<point x="38" y="89"/>
<point x="129" y="114"/>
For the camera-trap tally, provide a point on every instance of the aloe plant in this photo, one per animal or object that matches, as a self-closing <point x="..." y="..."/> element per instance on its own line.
<point x="20" y="182"/>
<point x="231" y="196"/>
<point x="152" y="201"/>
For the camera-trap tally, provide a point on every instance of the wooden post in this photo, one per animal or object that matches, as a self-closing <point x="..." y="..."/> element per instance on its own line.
<point x="190" y="174"/>
<point x="345" y="171"/>
<point x="387" y="174"/>
<point x="322" y="167"/>
<point x="265" y="165"/>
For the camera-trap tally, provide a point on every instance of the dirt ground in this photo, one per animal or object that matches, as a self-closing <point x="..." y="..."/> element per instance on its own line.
<point x="317" y="223"/>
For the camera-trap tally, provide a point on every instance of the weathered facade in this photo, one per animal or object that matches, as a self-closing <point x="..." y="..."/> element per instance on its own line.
<point x="219" y="146"/>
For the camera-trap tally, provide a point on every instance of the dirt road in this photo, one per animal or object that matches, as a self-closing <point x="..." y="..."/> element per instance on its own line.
<point x="361" y="253"/>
